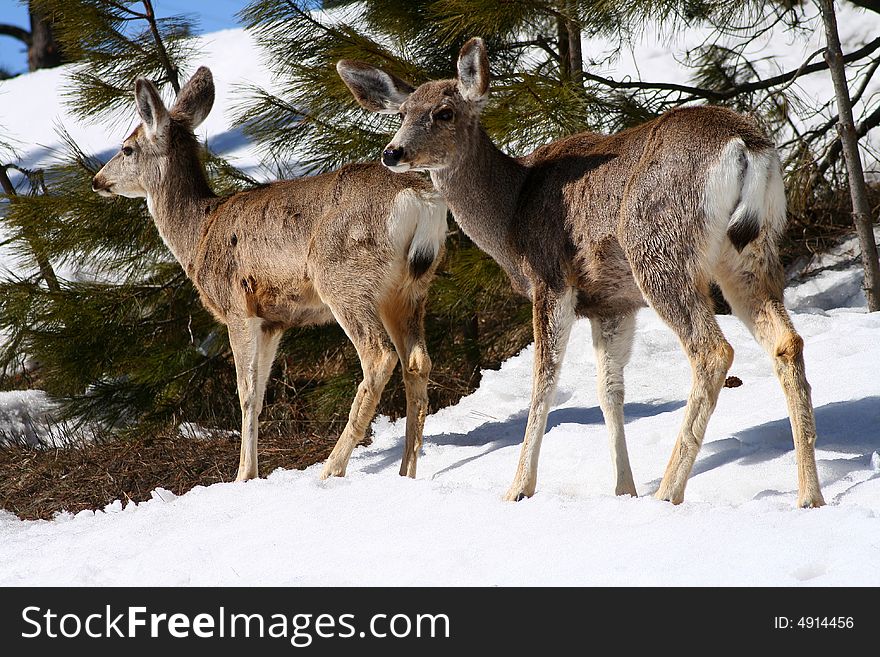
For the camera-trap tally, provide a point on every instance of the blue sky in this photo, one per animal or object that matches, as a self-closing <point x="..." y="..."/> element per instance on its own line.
<point x="211" y="15"/>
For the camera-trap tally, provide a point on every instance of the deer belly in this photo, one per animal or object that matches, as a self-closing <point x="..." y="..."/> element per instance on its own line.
<point x="284" y="303"/>
<point x="606" y="285"/>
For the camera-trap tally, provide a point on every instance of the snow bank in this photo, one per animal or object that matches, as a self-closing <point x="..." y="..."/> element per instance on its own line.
<point x="738" y="525"/>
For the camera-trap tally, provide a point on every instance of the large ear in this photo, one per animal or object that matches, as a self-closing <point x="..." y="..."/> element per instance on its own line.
<point x="195" y="100"/>
<point x="373" y="88"/>
<point x="473" y="71"/>
<point x="150" y="107"/>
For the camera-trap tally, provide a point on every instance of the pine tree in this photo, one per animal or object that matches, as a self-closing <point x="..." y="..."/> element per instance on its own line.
<point x="125" y="342"/>
<point x="121" y="339"/>
<point x="43" y="49"/>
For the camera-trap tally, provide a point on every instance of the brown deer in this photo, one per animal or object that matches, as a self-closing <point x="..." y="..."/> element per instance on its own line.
<point x="358" y="246"/>
<point x="593" y="225"/>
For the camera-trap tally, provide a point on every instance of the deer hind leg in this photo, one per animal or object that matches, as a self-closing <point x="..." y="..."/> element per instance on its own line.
<point x="612" y="341"/>
<point x="378" y="359"/>
<point x="552" y="317"/>
<point x="752" y="284"/>
<point x="680" y="296"/>
<point x="710" y="356"/>
<point x="405" y="325"/>
<point x="253" y="350"/>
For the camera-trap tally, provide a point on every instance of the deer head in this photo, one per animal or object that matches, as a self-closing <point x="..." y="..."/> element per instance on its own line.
<point x="140" y="164"/>
<point x="435" y="117"/>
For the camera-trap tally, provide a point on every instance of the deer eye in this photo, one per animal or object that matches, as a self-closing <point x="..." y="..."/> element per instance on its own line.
<point x="445" y="114"/>
<point x="127" y="150"/>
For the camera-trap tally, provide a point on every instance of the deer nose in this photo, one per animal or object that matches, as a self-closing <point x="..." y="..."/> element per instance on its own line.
<point x="391" y="156"/>
<point x="100" y="185"/>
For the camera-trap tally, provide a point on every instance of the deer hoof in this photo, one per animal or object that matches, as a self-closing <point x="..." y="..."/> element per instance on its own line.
<point x="516" y="494"/>
<point x="811" y="501"/>
<point x="332" y="470"/>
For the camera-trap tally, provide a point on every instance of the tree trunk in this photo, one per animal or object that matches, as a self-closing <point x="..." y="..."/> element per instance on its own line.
<point x="576" y="57"/>
<point x="846" y="128"/>
<point x="43" y="50"/>
<point x="563" y="42"/>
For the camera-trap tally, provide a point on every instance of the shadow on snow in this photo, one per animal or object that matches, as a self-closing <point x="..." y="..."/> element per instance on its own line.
<point x="851" y="428"/>
<point x="497" y="435"/>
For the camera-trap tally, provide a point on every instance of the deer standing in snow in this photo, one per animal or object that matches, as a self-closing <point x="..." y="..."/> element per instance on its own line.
<point x="593" y="225"/>
<point x="358" y="246"/>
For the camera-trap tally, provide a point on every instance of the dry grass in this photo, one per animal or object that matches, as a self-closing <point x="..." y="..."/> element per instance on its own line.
<point x="39" y="482"/>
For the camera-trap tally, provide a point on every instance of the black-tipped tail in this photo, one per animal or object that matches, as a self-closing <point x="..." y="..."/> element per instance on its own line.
<point x="744" y="228"/>
<point x="420" y="261"/>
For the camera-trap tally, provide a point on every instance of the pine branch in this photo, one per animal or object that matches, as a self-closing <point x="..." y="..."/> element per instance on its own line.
<point x="539" y="42"/>
<point x="835" y="150"/>
<point x="43" y="263"/>
<point x="127" y="10"/>
<point x="757" y="85"/>
<point x="820" y="131"/>
<point x="16" y="33"/>
<point x="170" y="70"/>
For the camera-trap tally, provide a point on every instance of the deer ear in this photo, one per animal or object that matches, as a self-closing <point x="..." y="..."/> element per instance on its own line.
<point x="373" y="88"/>
<point x="473" y="71"/>
<point x="150" y="107"/>
<point x="195" y="100"/>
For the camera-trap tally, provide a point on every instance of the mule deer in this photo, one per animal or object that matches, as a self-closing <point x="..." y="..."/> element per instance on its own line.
<point x="593" y="225"/>
<point x="358" y="245"/>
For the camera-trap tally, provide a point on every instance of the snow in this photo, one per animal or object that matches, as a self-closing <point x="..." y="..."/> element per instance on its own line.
<point x="738" y="526"/>
<point x="24" y="416"/>
<point x="830" y="280"/>
<point x="231" y="55"/>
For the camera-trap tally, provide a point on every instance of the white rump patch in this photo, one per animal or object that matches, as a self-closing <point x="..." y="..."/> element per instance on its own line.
<point x="723" y="185"/>
<point x="417" y="223"/>
<point x="743" y="186"/>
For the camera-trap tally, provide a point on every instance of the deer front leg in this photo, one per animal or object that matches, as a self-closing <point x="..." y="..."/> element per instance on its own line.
<point x="253" y="351"/>
<point x="552" y="317"/>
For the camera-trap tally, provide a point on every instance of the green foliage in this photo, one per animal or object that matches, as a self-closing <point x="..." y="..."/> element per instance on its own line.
<point x="116" y="332"/>
<point x="124" y="341"/>
<point x="112" y="41"/>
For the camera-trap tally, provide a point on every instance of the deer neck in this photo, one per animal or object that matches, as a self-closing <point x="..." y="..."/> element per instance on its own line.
<point x="482" y="187"/>
<point x="179" y="204"/>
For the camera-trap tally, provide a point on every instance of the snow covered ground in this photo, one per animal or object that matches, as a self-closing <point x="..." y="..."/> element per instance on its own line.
<point x="737" y="526"/>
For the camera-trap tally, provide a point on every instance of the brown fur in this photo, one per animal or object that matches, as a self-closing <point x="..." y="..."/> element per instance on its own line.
<point x="290" y="253"/>
<point x="595" y="225"/>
